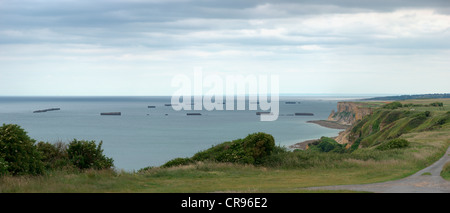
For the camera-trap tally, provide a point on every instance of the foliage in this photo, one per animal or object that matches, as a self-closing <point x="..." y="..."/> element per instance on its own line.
<point x="392" y="116"/>
<point x="326" y="144"/>
<point x="355" y="145"/>
<point x="54" y="156"/>
<point x="86" y="154"/>
<point x="393" y="105"/>
<point x="445" y="173"/>
<point x="393" y="144"/>
<point x="258" y="145"/>
<point x="19" y="151"/>
<point x="437" y="104"/>
<point x="250" y="150"/>
<point x="177" y="162"/>
<point x="434" y="104"/>
<point x="3" y="167"/>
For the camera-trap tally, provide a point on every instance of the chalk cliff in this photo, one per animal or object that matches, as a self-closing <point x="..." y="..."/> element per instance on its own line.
<point x="348" y="113"/>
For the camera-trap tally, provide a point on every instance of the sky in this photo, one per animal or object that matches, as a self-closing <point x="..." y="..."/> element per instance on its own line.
<point x="137" y="47"/>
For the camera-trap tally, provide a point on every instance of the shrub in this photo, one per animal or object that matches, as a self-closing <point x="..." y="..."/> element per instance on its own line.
<point x="86" y="154"/>
<point x="258" y="146"/>
<point x="54" y="156"/>
<point x="437" y="104"/>
<point x="3" y="167"/>
<point x="393" y="105"/>
<point x="19" y="151"/>
<point x="250" y="150"/>
<point x="326" y="144"/>
<point x="393" y="144"/>
<point x="177" y="162"/>
<point x="441" y="121"/>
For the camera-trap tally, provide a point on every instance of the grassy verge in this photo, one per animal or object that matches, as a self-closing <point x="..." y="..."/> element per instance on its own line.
<point x="446" y="171"/>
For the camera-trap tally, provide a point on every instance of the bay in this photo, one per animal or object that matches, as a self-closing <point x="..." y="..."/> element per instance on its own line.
<point x="143" y="136"/>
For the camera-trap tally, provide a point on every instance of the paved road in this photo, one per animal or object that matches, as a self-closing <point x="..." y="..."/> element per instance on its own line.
<point x="416" y="183"/>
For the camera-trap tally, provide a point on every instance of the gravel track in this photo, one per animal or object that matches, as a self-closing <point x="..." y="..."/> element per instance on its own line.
<point x="416" y="183"/>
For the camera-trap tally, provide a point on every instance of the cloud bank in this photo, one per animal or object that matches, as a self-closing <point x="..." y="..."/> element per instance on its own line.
<point x="136" y="47"/>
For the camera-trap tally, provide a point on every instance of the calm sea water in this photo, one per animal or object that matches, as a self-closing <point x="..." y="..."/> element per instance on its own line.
<point x="144" y="136"/>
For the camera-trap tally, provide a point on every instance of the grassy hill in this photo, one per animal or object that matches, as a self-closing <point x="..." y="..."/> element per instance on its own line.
<point x="398" y="118"/>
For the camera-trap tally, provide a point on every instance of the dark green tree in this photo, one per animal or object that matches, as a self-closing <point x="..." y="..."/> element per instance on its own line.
<point x="17" y="149"/>
<point x="86" y="154"/>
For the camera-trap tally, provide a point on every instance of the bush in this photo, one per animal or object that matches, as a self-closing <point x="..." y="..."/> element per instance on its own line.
<point x="258" y="146"/>
<point x="326" y="144"/>
<point x="437" y="104"/>
<point x="393" y="105"/>
<point x="18" y="151"/>
<point x="393" y="144"/>
<point x="250" y="150"/>
<point x="3" y="167"/>
<point x="177" y="162"/>
<point x="54" y="156"/>
<point x="86" y="154"/>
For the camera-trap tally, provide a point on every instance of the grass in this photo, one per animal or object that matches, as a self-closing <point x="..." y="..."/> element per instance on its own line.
<point x="445" y="173"/>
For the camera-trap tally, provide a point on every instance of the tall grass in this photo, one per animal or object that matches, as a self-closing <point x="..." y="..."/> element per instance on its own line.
<point x="445" y="173"/>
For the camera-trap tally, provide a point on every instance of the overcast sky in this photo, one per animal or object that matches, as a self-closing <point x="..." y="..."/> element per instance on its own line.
<point x="136" y="47"/>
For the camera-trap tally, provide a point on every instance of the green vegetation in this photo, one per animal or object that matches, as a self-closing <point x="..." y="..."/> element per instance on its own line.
<point x="389" y="124"/>
<point x="250" y="150"/>
<point x="397" y="143"/>
<point x="19" y="155"/>
<point x="86" y="155"/>
<point x="445" y="173"/>
<point x="425" y="97"/>
<point x="393" y="105"/>
<point x="326" y="144"/>
<point x="282" y="171"/>
<point x="54" y="156"/>
<point x="387" y="145"/>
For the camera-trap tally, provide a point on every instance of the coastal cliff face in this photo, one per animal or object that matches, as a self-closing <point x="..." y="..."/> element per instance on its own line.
<point x="348" y="113"/>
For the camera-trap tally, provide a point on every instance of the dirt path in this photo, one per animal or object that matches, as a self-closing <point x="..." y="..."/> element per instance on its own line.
<point x="416" y="183"/>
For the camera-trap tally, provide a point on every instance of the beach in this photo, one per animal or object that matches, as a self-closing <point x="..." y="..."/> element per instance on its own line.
<point x="325" y="123"/>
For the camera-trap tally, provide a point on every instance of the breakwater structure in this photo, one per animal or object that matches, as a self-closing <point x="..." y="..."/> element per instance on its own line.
<point x="193" y="113"/>
<point x="111" y="113"/>
<point x="263" y="113"/>
<point x="304" y="114"/>
<point x="46" y="110"/>
<point x="170" y="104"/>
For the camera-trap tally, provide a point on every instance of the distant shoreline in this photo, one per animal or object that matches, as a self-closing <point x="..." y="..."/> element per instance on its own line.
<point x="325" y="123"/>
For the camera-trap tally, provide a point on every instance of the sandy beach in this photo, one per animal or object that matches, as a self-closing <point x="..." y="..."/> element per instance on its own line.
<point x="325" y="123"/>
<point x="330" y="124"/>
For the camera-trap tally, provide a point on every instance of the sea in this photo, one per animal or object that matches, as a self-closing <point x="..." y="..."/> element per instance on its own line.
<point x="141" y="136"/>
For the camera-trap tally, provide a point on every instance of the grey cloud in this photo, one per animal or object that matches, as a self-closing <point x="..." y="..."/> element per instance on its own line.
<point x="170" y="24"/>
